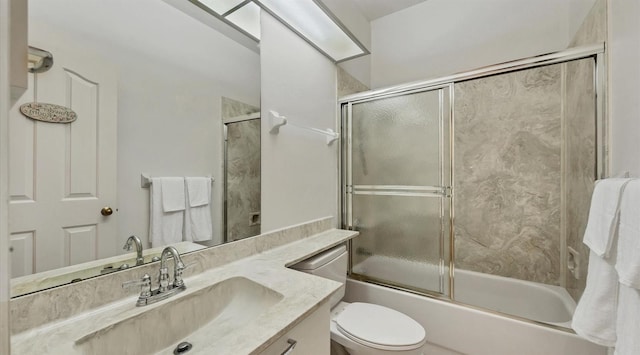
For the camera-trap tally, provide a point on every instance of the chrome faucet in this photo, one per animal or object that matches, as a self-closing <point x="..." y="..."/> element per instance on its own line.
<point x="178" y="267"/>
<point x="127" y="246"/>
<point x="165" y="289"/>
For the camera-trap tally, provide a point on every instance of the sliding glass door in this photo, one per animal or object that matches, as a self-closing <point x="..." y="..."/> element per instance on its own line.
<point x="530" y="140"/>
<point x="397" y="188"/>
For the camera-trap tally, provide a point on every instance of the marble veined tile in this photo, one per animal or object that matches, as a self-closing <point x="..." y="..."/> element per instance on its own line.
<point x="243" y="179"/>
<point x="580" y="166"/>
<point x="594" y="27"/>
<point x="507" y="174"/>
<point x="233" y="108"/>
<point x="347" y="84"/>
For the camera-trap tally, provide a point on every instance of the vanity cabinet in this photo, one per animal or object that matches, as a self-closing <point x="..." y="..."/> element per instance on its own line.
<point x="312" y="336"/>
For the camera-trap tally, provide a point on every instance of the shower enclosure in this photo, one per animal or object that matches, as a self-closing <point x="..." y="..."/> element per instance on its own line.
<point x="242" y="183"/>
<point x="475" y="188"/>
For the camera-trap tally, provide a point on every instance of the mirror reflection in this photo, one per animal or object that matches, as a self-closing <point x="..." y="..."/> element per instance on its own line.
<point x="157" y="93"/>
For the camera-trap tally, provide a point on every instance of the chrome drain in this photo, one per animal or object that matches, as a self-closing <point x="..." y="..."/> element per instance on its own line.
<point x="182" y="348"/>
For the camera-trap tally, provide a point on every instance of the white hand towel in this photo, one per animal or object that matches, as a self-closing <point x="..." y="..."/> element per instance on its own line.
<point x="628" y="325"/>
<point x="595" y="316"/>
<point x="198" y="225"/>
<point x="628" y="260"/>
<point x="604" y="215"/>
<point x="173" y="198"/>
<point x="164" y="227"/>
<point x="199" y="189"/>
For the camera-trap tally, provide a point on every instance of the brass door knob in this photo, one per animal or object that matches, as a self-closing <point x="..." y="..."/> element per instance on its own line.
<point x="106" y="211"/>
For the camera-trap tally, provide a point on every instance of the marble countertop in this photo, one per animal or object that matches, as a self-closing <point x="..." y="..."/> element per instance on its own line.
<point x="302" y="294"/>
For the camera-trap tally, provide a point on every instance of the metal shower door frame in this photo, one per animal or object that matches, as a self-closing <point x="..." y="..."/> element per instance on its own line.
<point x="443" y="191"/>
<point x="602" y="154"/>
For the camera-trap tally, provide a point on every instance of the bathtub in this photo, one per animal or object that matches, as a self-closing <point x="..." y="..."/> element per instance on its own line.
<point x="531" y="300"/>
<point x="456" y="329"/>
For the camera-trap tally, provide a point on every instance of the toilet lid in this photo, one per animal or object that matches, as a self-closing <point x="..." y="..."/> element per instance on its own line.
<point x="380" y="327"/>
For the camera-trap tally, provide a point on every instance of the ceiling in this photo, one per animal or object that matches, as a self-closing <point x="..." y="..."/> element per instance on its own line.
<point x="374" y="9"/>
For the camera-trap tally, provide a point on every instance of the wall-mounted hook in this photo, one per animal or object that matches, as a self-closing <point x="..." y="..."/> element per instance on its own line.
<point x="276" y="121"/>
<point x="331" y="136"/>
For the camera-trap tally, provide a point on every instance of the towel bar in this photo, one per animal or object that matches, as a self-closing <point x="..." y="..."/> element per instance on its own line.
<point x="145" y="180"/>
<point x="276" y="121"/>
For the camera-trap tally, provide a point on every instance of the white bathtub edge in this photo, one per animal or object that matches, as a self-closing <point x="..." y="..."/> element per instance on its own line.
<point x="470" y="331"/>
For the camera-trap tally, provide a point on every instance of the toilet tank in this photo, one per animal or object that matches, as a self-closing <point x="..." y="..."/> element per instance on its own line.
<point x="330" y="264"/>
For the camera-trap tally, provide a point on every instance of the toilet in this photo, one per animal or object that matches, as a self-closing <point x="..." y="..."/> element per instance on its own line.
<point x="363" y="328"/>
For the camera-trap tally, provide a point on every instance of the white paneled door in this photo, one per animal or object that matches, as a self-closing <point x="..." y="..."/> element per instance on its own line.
<point x="63" y="175"/>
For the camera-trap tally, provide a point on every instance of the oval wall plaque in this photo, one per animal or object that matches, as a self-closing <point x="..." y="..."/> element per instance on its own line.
<point x="48" y="112"/>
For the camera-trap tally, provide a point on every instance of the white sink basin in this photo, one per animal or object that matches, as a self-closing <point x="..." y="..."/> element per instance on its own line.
<point x="198" y="318"/>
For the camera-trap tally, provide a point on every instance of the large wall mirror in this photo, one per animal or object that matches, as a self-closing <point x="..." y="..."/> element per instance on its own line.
<point x="158" y="92"/>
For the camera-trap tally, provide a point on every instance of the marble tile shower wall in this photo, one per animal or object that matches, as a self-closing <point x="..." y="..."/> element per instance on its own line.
<point x="233" y="108"/>
<point x="243" y="179"/>
<point x="524" y="171"/>
<point x="347" y="84"/>
<point x="243" y="170"/>
<point x="579" y="163"/>
<point x="579" y="181"/>
<point x="508" y="174"/>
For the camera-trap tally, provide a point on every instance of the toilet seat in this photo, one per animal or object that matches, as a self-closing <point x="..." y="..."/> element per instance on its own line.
<point x="380" y="327"/>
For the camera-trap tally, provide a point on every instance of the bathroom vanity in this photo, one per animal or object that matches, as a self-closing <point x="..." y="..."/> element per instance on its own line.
<point x="240" y="299"/>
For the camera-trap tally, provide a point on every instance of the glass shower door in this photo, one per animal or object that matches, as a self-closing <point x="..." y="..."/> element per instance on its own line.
<point x="396" y="184"/>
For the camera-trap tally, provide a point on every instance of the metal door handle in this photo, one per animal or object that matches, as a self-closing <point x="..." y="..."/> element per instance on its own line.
<point x="106" y="211"/>
<point x="292" y="344"/>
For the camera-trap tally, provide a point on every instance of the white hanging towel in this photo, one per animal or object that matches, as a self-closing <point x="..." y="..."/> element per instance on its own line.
<point x="604" y="215"/>
<point x="628" y="260"/>
<point x="165" y="227"/>
<point x="595" y="316"/>
<point x="173" y="197"/>
<point x="198" y="225"/>
<point x="628" y="268"/>
<point x="199" y="190"/>
<point x="628" y="326"/>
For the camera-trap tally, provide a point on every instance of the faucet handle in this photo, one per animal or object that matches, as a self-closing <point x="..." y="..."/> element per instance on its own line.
<point x="144" y="283"/>
<point x="178" y="282"/>
<point x="145" y="288"/>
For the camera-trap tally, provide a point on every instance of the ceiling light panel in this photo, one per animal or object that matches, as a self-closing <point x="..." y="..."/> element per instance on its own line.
<point x="247" y="18"/>
<point x="313" y="24"/>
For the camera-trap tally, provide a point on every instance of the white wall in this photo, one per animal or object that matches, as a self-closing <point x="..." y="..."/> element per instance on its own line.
<point x="169" y="124"/>
<point x="441" y="37"/>
<point x="299" y="171"/>
<point x="624" y="85"/>
<point x="170" y="83"/>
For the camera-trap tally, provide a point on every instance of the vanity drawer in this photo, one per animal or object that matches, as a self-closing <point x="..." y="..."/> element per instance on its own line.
<point x="311" y="336"/>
